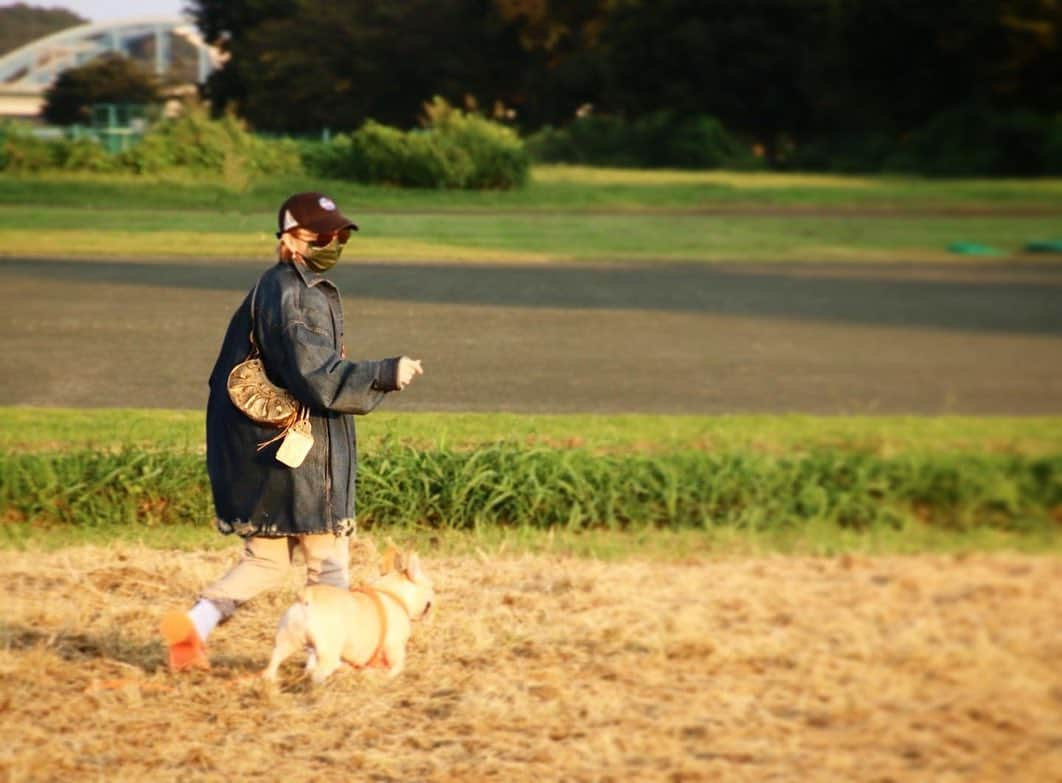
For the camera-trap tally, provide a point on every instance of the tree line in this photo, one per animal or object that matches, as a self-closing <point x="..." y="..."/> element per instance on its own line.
<point x="21" y="23"/>
<point x="949" y="87"/>
<point x="777" y="72"/>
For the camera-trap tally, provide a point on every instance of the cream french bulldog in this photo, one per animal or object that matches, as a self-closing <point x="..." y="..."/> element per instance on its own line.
<point x="364" y="626"/>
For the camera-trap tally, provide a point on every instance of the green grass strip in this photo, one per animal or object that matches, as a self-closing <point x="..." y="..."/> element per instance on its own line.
<point x="567" y="213"/>
<point x="58" y="429"/>
<point x="503" y="486"/>
<point x="138" y="233"/>
<point x="558" y="187"/>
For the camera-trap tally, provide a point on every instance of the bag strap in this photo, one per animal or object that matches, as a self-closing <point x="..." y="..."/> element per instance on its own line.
<point x="254" y="343"/>
<point x="299" y="416"/>
<point x="301" y="412"/>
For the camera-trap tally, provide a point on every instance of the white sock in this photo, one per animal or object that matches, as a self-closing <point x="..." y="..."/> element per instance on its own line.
<point x="205" y="616"/>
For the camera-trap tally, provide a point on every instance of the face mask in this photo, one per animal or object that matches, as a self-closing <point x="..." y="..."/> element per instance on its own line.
<point x="321" y="259"/>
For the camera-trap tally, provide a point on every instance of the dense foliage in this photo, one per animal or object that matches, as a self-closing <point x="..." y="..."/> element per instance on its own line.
<point x="454" y="149"/>
<point x="661" y="139"/>
<point x="110" y="78"/>
<point x="811" y="83"/>
<point x="192" y="142"/>
<point x="301" y="67"/>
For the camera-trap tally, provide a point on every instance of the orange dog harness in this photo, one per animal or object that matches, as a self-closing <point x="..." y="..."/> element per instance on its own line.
<point x="378" y="658"/>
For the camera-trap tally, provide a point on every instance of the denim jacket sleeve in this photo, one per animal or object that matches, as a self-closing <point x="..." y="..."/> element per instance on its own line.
<point x="310" y="363"/>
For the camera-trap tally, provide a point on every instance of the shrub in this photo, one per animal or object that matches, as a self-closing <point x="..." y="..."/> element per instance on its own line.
<point x="480" y="153"/>
<point x="960" y="142"/>
<point x="965" y="141"/>
<point x="954" y="143"/>
<point x="192" y="141"/>
<point x="86" y="155"/>
<point x="326" y="157"/>
<point x="454" y="150"/>
<point x="842" y="153"/>
<point x="1053" y="146"/>
<point x="224" y="146"/>
<point x="24" y="152"/>
<point x="696" y="142"/>
<point x="596" y="139"/>
<point x="553" y="145"/>
<point x="378" y="153"/>
<point x="654" y="140"/>
<point x="977" y="141"/>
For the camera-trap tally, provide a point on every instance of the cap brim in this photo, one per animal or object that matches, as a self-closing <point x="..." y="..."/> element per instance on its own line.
<point x="329" y="222"/>
<point x="326" y="224"/>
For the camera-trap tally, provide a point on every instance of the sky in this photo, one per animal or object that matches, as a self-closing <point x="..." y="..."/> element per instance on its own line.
<point x="106" y="10"/>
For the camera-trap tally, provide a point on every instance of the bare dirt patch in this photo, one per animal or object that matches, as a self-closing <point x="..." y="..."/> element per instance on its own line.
<point x="829" y="338"/>
<point x="553" y="668"/>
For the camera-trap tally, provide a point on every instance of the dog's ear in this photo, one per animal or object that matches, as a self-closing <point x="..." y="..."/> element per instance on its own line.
<point x="389" y="560"/>
<point x="413" y="569"/>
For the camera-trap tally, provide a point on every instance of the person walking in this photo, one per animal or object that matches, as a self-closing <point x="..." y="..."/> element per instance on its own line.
<point x="294" y="318"/>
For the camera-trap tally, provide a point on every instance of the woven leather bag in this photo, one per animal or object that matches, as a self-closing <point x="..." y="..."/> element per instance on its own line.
<point x="254" y="394"/>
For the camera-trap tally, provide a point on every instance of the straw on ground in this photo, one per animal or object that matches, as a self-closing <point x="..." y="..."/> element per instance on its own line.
<point x="547" y="668"/>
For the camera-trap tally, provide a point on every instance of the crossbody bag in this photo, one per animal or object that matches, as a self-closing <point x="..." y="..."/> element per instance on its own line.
<point x="262" y="401"/>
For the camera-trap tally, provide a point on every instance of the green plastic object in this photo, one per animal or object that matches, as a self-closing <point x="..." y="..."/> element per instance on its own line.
<point x="1044" y="246"/>
<point x="972" y="249"/>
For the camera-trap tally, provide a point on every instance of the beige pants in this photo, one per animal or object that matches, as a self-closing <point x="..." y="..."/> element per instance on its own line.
<point x="265" y="563"/>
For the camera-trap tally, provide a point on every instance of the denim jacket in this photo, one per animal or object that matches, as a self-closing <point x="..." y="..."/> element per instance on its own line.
<point x="299" y="330"/>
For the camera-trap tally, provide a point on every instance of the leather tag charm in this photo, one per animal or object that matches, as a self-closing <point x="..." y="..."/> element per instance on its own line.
<point x="296" y="444"/>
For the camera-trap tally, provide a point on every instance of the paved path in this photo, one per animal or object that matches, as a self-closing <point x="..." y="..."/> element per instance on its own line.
<point x="667" y="338"/>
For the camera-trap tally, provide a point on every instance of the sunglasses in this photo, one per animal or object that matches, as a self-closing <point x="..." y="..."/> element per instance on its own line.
<point x="324" y="240"/>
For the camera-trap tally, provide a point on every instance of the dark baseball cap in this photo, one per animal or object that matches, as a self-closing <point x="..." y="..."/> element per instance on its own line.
<point x="315" y="212"/>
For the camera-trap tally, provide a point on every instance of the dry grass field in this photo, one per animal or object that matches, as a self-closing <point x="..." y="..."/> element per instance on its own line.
<point x="547" y="667"/>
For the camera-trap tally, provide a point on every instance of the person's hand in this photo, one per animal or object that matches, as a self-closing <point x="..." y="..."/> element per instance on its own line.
<point x="408" y="369"/>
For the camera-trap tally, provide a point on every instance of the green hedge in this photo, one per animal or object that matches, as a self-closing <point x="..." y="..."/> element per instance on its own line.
<point x="194" y="142"/>
<point x="969" y="141"/>
<point x="657" y="140"/>
<point x="959" y="142"/>
<point x="964" y="141"/>
<point x="190" y="142"/>
<point x="454" y="150"/>
<point x="504" y="485"/>
<point x="22" y="152"/>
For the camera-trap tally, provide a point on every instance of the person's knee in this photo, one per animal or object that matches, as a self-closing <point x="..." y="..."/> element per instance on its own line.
<point x="262" y="567"/>
<point x="330" y="565"/>
<point x="330" y="572"/>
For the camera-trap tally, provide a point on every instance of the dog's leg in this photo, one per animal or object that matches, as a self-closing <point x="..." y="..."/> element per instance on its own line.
<point x="291" y="636"/>
<point x="326" y="664"/>
<point x="285" y="646"/>
<point x="311" y="659"/>
<point x="396" y="659"/>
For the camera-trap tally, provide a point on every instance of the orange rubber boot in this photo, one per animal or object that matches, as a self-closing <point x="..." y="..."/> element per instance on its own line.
<point x="187" y="650"/>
